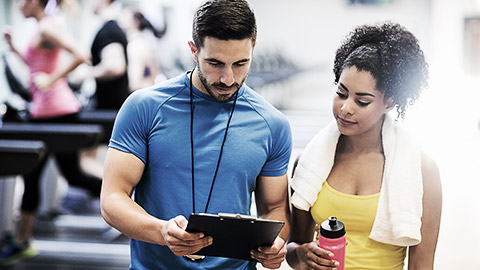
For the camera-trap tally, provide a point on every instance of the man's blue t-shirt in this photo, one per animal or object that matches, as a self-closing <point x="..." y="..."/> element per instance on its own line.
<point x="154" y="125"/>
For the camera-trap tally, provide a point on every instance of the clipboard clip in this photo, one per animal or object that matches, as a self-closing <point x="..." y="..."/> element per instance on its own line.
<point x="238" y="216"/>
<point x="194" y="258"/>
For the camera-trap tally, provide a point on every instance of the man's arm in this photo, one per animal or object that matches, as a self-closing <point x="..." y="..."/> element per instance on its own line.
<point x="113" y="63"/>
<point x="272" y="203"/>
<point x="122" y="172"/>
<point x="271" y="198"/>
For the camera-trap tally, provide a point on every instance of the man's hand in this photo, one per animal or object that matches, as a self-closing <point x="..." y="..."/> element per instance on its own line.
<point x="271" y="257"/>
<point x="180" y="241"/>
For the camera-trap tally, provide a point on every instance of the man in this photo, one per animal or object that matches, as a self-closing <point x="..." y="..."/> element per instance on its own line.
<point x="109" y="59"/>
<point x="200" y="142"/>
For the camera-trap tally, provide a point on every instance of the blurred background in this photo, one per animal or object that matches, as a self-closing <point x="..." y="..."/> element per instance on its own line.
<point x="292" y="68"/>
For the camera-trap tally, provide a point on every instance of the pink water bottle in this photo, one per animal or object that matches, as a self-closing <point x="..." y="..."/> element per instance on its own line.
<point x="332" y="238"/>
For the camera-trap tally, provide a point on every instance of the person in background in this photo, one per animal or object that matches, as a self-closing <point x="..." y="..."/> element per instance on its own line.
<point x="52" y="102"/>
<point x="109" y="68"/>
<point x="200" y="142"/>
<point x="109" y="60"/>
<point x="364" y="168"/>
<point x="143" y="68"/>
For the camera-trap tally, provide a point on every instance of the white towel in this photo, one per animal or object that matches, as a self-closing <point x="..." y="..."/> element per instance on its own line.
<point x="399" y="211"/>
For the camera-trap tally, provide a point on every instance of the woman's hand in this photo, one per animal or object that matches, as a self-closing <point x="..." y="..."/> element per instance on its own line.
<point x="311" y="256"/>
<point x="7" y="35"/>
<point x="43" y="81"/>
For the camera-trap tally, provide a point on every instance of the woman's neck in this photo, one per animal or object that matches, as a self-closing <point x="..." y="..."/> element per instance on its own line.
<point x="368" y="142"/>
<point x="358" y="144"/>
<point x="133" y="33"/>
<point x="40" y="15"/>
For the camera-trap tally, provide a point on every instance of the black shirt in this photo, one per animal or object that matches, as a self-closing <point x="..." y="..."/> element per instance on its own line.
<point x="111" y="93"/>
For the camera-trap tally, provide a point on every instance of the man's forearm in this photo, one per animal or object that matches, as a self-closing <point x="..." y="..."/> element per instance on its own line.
<point x="132" y="220"/>
<point x="281" y="214"/>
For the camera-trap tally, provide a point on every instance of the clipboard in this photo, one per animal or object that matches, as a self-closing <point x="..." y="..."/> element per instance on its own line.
<point x="234" y="235"/>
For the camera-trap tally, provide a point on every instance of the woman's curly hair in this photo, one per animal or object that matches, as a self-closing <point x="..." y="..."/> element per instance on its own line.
<point x="391" y="54"/>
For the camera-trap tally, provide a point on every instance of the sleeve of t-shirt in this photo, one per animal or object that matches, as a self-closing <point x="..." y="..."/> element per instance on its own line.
<point x="279" y="154"/>
<point x="130" y="131"/>
<point x="113" y="34"/>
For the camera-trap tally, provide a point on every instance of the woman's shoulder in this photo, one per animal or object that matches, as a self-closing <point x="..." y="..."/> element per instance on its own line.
<point x="430" y="170"/>
<point x="139" y="47"/>
<point x="50" y="23"/>
<point x="50" y="28"/>
<point x="428" y="163"/>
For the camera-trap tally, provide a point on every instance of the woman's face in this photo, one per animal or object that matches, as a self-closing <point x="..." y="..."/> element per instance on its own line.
<point x="126" y="21"/>
<point x="28" y="7"/>
<point x="358" y="107"/>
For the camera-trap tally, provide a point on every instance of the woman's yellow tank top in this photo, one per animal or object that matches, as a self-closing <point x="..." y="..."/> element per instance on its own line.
<point x="358" y="212"/>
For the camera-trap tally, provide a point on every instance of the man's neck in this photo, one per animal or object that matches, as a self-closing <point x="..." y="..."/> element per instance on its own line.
<point x="197" y="83"/>
<point x="108" y="13"/>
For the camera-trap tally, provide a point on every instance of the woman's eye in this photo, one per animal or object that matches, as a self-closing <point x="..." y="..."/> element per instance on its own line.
<point x="363" y="103"/>
<point x="341" y="95"/>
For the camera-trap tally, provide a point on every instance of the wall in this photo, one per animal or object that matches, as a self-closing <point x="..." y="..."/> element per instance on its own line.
<point x="310" y="30"/>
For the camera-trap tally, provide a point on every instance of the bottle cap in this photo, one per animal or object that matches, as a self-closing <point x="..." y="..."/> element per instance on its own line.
<point x="332" y="228"/>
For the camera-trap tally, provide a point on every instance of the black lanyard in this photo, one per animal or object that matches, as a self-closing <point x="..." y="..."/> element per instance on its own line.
<point x="191" y="146"/>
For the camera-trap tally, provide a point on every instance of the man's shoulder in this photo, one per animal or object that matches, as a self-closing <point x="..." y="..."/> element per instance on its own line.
<point x="263" y="107"/>
<point x="111" y="24"/>
<point x="157" y="95"/>
<point x="165" y="89"/>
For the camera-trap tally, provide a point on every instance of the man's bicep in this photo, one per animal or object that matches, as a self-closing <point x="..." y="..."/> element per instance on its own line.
<point x="122" y="171"/>
<point x="113" y="57"/>
<point x="271" y="192"/>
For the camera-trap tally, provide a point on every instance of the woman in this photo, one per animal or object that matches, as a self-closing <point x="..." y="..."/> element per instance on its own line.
<point x="143" y="68"/>
<point x="364" y="168"/>
<point x="50" y="93"/>
<point x="52" y="101"/>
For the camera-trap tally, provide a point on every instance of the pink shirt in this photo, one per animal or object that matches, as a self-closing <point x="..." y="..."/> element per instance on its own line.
<point x="57" y="101"/>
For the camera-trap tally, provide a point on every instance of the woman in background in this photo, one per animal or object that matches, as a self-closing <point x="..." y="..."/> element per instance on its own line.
<point x="364" y="168"/>
<point x="143" y="66"/>
<point x="52" y="101"/>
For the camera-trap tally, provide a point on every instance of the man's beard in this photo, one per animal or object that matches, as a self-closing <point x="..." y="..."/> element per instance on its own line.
<point x="218" y="97"/>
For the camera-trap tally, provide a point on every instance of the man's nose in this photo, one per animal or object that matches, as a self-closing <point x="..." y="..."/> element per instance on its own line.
<point x="227" y="76"/>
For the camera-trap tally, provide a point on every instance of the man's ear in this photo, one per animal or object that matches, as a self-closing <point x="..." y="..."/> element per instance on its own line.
<point x="193" y="50"/>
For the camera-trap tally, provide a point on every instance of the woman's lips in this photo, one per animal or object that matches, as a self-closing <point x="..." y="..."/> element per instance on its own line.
<point x="344" y="122"/>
